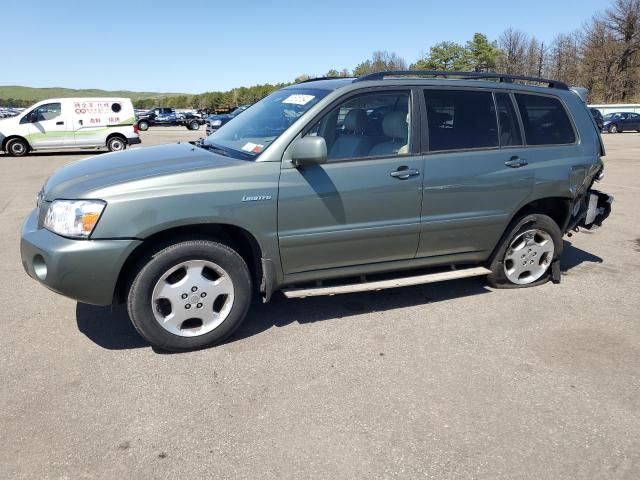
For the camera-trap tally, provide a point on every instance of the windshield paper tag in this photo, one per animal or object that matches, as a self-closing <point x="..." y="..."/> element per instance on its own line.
<point x="298" y="99"/>
<point x="252" y="147"/>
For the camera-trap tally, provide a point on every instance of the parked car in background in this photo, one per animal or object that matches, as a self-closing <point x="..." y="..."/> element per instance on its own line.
<point x="190" y="120"/>
<point x="621" y="122"/>
<point x="214" y="122"/>
<point x="8" y="112"/>
<point x="167" y="117"/>
<point x="65" y="123"/>
<point x="285" y="198"/>
<point x="597" y="116"/>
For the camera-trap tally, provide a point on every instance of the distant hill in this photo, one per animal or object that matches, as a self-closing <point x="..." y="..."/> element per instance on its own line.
<point x="37" y="94"/>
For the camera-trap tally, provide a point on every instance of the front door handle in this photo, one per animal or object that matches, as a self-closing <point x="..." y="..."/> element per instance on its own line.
<point x="404" y="172"/>
<point x="60" y="123"/>
<point x="516" y="162"/>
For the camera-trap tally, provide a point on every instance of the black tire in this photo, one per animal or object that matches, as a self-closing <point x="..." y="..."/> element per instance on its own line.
<point x="116" y="143"/>
<point x="613" y="128"/>
<point x="143" y="125"/>
<point x="17" y="147"/>
<point x="498" y="278"/>
<point x="193" y="125"/>
<point x="141" y="291"/>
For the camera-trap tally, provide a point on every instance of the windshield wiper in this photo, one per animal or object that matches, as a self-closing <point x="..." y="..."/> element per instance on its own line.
<point x="214" y="149"/>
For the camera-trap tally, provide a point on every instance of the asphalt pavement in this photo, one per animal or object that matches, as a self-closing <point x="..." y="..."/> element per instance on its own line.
<point x="450" y="380"/>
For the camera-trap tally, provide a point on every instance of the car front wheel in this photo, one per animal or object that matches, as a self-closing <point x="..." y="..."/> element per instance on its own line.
<point x="194" y="125"/>
<point x="143" y="125"/>
<point x="190" y="295"/>
<point x="526" y="252"/>
<point x="613" y="128"/>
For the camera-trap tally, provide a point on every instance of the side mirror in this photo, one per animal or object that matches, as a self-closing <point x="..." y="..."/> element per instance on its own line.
<point x="309" y="151"/>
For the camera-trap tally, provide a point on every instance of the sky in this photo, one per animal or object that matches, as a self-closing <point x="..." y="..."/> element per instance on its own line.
<point x="197" y="45"/>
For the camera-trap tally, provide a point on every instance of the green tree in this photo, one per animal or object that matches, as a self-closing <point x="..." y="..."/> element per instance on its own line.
<point x="444" y="56"/>
<point x="481" y="54"/>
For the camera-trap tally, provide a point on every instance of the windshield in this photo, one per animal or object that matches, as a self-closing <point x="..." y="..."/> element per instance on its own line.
<point x="247" y="135"/>
<point x="612" y="116"/>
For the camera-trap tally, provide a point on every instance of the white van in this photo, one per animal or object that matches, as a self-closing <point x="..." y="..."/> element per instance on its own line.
<point x="64" y="123"/>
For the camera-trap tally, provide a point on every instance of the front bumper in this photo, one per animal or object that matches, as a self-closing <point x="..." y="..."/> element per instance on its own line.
<point x="134" y="141"/>
<point x="84" y="270"/>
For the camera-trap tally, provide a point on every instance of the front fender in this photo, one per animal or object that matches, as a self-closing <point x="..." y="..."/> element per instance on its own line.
<point x="242" y="197"/>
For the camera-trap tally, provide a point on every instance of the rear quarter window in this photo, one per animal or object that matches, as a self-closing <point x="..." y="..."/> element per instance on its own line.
<point x="545" y="120"/>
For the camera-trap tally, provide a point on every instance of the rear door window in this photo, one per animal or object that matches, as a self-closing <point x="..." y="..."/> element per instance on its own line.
<point x="461" y="119"/>
<point x="510" y="134"/>
<point x="545" y="120"/>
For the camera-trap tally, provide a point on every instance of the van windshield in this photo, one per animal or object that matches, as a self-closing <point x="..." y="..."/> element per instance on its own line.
<point x="247" y="135"/>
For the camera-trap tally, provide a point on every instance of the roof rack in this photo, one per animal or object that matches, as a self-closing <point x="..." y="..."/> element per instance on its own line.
<point x="323" y="78"/>
<point x="500" y="77"/>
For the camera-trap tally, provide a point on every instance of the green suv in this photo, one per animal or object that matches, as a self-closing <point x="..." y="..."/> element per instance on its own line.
<point x="325" y="187"/>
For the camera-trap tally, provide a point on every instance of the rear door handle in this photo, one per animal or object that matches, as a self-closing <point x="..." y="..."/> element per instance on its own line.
<point x="60" y="123"/>
<point x="516" y="162"/>
<point x="404" y="172"/>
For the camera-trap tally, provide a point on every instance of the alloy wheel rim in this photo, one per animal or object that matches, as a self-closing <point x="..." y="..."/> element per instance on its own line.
<point x="192" y="298"/>
<point x="528" y="256"/>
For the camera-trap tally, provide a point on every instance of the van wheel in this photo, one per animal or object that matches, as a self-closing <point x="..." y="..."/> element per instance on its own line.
<point x="526" y="252"/>
<point x="17" y="147"/>
<point x="194" y="125"/>
<point x="143" y="125"/>
<point x="190" y="295"/>
<point x="116" y="144"/>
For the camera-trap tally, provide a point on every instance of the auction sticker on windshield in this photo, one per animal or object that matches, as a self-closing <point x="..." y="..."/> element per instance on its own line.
<point x="252" y="147"/>
<point x="298" y="99"/>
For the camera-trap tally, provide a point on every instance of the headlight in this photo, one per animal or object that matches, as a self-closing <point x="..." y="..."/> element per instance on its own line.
<point x="216" y="123"/>
<point x="73" y="218"/>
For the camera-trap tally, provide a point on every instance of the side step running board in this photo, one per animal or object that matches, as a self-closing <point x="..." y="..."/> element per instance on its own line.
<point x="382" y="284"/>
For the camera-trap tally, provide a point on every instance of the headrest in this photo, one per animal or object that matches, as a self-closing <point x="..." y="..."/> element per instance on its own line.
<point x="356" y="120"/>
<point x="394" y="124"/>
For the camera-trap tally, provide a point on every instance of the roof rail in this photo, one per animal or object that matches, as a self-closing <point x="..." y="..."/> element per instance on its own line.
<point x="322" y="78"/>
<point x="500" y="77"/>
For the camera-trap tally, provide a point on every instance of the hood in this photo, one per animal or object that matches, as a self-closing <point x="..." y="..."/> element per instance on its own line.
<point x="5" y="123"/>
<point x="77" y="179"/>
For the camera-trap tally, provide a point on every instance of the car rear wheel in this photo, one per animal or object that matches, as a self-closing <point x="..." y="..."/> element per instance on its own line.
<point x="143" y="125"/>
<point x="17" y="147"/>
<point x="193" y="125"/>
<point x="116" y="144"/>
<point x="190" y="295"/>
<point x="524" y="257"/>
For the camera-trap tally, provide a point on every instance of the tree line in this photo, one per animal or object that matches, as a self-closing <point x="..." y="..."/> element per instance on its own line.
<point x="603" y="56"/>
